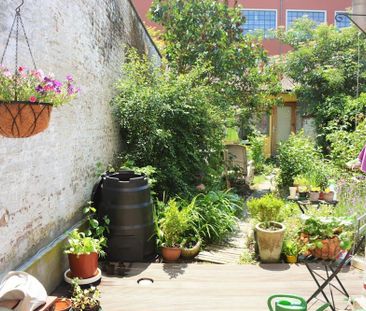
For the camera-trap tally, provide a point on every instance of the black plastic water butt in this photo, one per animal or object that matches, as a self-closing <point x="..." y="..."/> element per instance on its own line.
<point x="125" y="198"/>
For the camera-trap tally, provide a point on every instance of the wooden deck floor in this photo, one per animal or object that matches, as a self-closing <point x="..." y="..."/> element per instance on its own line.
<point x="211" y="287"/>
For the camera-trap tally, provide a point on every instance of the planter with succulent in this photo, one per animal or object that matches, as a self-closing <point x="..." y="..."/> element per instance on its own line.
<point x="170" y="229"/>
<point x="325" y="237"/>
<point x="85" y="300"/>
<point x="269" y="233"/>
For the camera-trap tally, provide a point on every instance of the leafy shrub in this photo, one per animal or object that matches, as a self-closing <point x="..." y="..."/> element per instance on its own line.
<point x="345" y="145"/>
<point x="169" y="121"/>
<point x="265" y="209"/>
<point x="210" y="217"/>
<point x="296" y="156"/>
<point x="257" y="143"/>
<point x="214" y="215"/>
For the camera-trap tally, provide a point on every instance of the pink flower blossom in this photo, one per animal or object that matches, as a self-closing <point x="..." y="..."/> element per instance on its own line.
<point x="32" y="99"/>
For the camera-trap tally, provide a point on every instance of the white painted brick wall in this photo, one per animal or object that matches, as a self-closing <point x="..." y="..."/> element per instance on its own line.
<point x="45" y="179"/>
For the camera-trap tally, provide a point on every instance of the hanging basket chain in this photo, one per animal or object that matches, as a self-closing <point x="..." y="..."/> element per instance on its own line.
<point x="17" y="20"/>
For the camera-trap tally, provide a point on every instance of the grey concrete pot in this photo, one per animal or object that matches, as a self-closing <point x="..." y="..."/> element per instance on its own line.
<point x="270" y="242"/>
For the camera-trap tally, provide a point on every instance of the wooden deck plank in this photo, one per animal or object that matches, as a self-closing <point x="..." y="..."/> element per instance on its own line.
<point x="211" y="287"/>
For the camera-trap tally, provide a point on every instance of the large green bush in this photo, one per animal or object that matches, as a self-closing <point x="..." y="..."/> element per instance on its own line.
<point x="298" y="155"/>
<point x="345" y="145"/>
<point x="169" y="121"/>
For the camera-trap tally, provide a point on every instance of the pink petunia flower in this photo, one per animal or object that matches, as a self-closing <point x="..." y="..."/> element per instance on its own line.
<point x="32" y="99"/>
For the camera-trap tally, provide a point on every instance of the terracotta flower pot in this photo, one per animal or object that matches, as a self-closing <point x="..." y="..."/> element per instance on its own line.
<point x="192" y="252"/>
<point x="83" y="266"/>
<point x="170" y="254"/>
<point x="23" y="119"/>
<point x="270" y="242"/>
<point x="321" y="195"/>
<point x="291" y="259"/>
<point x="62" y="304"/>
<point x="329" y="196"/>
<point x="330" y="250"/>
<point x="314" y="196"/>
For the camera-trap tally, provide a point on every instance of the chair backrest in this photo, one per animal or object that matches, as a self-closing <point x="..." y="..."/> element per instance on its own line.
<point x="236" y="156"/>
<point x="360" y="231"/>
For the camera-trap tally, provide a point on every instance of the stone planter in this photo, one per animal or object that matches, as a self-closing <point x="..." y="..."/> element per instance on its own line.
<point x="270" y="242"/>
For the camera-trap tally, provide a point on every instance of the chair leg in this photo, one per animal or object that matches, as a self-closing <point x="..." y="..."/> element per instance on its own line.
<point x="320" y="288"/>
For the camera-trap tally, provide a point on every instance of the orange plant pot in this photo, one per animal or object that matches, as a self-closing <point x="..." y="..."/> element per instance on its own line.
<point x="23" y="119"/>
<point x="62" y="304"/>
<point x="330" y="250"/>
<point x="170" y="254"/>
<point x="83" y="266"/>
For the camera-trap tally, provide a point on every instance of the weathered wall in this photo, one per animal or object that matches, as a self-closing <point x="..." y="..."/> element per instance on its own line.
<point x="45" y="179"/>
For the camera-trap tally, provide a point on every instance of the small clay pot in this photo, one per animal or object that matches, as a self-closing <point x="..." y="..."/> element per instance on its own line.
<point x="171" y="254"/>
<point x="314" y="196"/>
<point x="291" y="259"/>
<point x="329" y="196"/>
<point x="83" y="266"/>
<point x="62" y="304"/>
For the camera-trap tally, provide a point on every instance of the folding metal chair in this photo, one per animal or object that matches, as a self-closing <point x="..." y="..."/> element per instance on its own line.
<point x="332" y="270"/>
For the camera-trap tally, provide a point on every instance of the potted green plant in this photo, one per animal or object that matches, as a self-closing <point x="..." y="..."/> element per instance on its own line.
<point x="328" y="195"/>
<point x="314" y="193"/>
<point x="85" y="300"/>
<point x="171" y="226"/>
<point x="291" y="250"/>
<point x="269" y="233"/>
<point x="324" y="237"/>
<point x="302" y="184"/>
<point x="83" y="252"/>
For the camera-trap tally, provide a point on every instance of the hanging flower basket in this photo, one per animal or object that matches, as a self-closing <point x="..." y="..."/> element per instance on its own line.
<point x="23" y="119"/>
<point x="27" y="96"/>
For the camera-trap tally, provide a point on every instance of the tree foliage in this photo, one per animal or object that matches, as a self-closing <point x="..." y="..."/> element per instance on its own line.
<point x="325" y="64"/>
<point x="168" y="121"/>
<point x="211" y="31"/>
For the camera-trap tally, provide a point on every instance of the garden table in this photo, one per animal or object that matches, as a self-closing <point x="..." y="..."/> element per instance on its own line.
<point x="332" y="268"/>
<point x="304" y="204"/>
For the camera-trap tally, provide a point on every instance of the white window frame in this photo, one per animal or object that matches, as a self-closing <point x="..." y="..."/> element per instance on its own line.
<point x="273" y="10"/>
<point x="335" y="14"/>
<point x="299" y="10"/>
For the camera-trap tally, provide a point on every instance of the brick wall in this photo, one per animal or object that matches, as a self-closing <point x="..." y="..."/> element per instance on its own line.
<point x="45" y="179"/>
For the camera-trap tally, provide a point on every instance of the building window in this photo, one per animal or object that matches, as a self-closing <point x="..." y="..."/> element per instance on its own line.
<point x="259" y="22"/>
<point x="317" y="16"/>
<point x="341" y="21"/>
